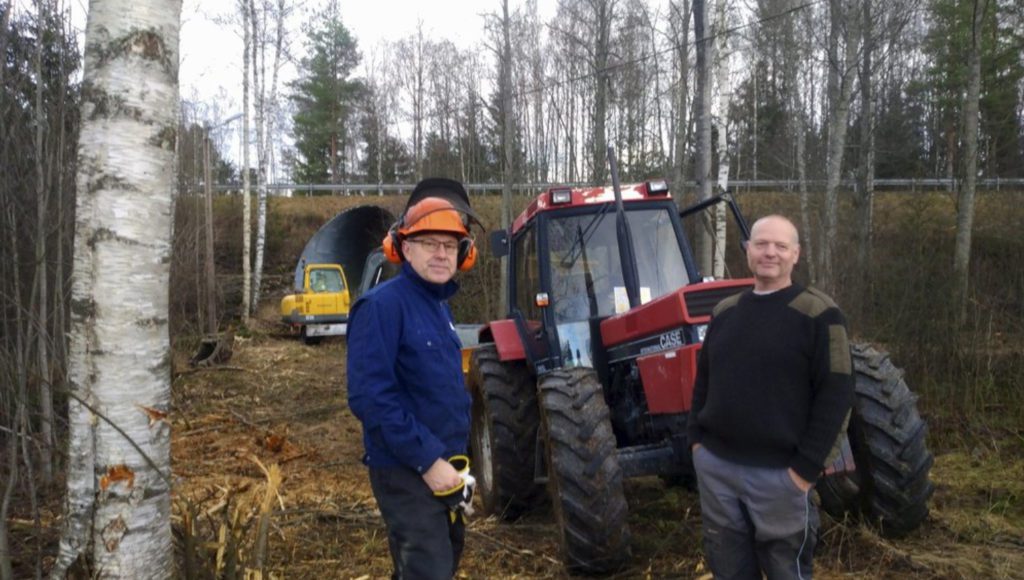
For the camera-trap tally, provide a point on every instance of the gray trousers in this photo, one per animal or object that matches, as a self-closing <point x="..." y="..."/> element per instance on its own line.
<point x="425" y="541"/>
<point x="754" y="520"/>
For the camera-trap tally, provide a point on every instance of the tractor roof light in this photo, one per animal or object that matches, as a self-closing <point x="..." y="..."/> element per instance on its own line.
<point x="561" y="196"/>
<point x="658" y="187"/>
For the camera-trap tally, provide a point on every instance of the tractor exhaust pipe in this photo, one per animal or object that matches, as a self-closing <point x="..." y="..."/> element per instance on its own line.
<point x="626" y="252"/>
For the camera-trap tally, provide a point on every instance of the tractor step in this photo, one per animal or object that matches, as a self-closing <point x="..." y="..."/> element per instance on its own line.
<point x="652" y="459"/>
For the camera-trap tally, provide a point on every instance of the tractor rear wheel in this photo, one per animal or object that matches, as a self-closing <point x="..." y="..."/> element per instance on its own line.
<point x="584" y="477"/>
<point x="890" y="487"/>
<point x="503" y="434"/>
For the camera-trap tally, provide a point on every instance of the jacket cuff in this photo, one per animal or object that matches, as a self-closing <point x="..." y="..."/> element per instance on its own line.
<point x="805" y="468"/>
<point x="431" y="453"/>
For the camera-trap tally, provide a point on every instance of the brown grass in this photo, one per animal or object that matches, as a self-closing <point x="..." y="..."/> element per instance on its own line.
<point x="329" y="526"/>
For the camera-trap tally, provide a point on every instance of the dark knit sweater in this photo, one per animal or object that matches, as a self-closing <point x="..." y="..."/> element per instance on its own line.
<point x="774" y="382"/>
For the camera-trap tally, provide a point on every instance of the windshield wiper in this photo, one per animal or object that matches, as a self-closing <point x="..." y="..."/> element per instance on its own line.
<point x="583" y="237"/>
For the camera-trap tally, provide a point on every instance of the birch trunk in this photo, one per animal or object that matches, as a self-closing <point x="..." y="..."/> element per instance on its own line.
<point x="20" y="363"/>
<point x="844" y="24"/>
<point x="864" y="201"/>
<point x="42" y="220"/>
<point x="800" y="134"/>
<point x="682" y="48"/>
<point x="965" y="201"/>
<point x="259" y="91"/>
<point x="507" y="144"/>
<point x="705" y="56"/>
<point x="798" y="116"/>
<point x="724" y="100"/>
<point x="118" y="504"/>
<point x="246" y="201"/>
<point x="603" y="13"/>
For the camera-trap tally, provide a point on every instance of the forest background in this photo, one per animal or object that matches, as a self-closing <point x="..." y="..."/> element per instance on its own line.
<point x="893" y="132"/>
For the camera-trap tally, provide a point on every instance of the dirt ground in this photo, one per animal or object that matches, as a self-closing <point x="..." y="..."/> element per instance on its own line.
<point x="280" y="402"/>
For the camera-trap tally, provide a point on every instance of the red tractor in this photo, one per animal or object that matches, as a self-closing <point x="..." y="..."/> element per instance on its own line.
<point x="588" y="379"/>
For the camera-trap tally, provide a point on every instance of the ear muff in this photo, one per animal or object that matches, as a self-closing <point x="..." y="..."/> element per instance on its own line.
<point x="467" y="254"/>
<point x="391" y="246"/>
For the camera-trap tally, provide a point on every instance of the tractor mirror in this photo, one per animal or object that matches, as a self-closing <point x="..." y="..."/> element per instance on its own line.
<point x="499" y="243"/>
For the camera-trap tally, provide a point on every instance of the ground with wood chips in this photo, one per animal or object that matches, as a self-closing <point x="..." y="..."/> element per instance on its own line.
<point x="278" y="402"/>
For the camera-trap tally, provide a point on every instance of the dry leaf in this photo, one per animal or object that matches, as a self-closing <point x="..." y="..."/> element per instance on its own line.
<point x="155" y="415"/>
<point x="117" y="473"/>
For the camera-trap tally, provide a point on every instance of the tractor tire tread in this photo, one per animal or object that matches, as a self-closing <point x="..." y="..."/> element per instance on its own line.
<point x="891" y="487"/>
<point x="511" y="402"/>
<point x="584" y="477"/>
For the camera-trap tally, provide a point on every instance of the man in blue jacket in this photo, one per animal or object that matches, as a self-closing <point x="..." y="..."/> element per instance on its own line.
<point x="405" y="380"/>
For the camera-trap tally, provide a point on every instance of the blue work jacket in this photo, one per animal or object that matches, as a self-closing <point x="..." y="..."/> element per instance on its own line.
<point x="405" y="378"/>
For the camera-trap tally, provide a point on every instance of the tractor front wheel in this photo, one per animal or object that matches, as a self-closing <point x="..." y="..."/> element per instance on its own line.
<point x="584" y="477"/>
<point x="503" y="434"/>
<point x="890" y="487"/>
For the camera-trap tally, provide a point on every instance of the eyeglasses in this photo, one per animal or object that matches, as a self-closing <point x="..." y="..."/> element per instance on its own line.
<point x="432" y="246"/>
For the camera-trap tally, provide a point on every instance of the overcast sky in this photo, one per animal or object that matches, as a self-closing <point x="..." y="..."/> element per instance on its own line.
<point x="211" y="46"/>
<point x="211" y="53"/>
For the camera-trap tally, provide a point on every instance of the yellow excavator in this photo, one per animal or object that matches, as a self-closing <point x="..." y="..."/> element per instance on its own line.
<point x="329" y="274"/>
<point x="322" y="307"/>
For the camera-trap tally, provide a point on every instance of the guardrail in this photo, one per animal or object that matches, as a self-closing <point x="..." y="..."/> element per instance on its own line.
<point x="741" y="185"/>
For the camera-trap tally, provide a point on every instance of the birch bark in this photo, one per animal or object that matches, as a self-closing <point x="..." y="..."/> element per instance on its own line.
<point x="118" y="491"/>
<point x="965" y="201"/>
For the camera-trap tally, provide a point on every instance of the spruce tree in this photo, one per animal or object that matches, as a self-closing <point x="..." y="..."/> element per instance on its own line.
<point x="325" y="96"/>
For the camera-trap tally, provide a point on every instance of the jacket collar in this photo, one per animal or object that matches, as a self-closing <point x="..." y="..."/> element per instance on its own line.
<point x="436" y="291"/>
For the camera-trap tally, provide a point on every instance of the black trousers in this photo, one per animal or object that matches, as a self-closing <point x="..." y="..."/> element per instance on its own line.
<point x="425" y="541"/>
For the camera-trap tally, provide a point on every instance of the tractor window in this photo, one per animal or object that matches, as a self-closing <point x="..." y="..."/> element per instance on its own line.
<point x="527" y="276"/>
<point x="586" y="276"/>
<point x="325" y="281"/>
<point x="659" y="257"/>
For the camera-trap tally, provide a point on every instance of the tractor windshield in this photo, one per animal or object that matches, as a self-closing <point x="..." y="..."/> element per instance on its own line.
<point x="586" y="275"/>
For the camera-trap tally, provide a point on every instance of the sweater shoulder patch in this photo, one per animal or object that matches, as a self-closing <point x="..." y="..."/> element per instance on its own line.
<point x="726" y="304"/>
<point x="812" y="302"/>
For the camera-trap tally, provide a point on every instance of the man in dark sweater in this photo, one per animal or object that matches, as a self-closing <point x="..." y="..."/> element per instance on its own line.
<point x="773" y="393"/>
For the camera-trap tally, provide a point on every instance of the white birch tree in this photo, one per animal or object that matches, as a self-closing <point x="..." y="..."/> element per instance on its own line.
<point x="965" y="201"/>
<point x="40" y="291"/>
<point x="724" y="84"/>
<point x="795" y="56"/>
<point x="844" y="21"/>
<point x="703" y="37"/>
<point x="680" y="36"/>
<point x="246" y="200"/>
<point x="257" y="23"/>
<point x="118" y="486"/>
<point x="505" y="64"/>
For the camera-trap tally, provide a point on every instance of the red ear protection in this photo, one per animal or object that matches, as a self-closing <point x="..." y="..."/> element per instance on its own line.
<point x="467" y="254"/>
<point x="391" y="246"/>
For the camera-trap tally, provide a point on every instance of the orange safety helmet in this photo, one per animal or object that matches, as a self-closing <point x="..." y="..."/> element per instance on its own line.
<point x="430" y="214"/>
<point x="433" y="214"/>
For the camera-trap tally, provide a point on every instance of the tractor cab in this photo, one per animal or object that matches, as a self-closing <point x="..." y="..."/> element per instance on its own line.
<point x="567" y="267"/>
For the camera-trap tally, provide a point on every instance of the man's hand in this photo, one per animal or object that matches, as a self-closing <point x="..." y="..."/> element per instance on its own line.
<point x="800" y="482"/>
<point x="441" y="476"/>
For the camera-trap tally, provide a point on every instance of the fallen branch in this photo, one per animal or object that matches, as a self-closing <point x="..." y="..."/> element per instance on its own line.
<point x="513" y="549"/>
<point x="247" y="422"/>
<point x="216" y="368"/>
